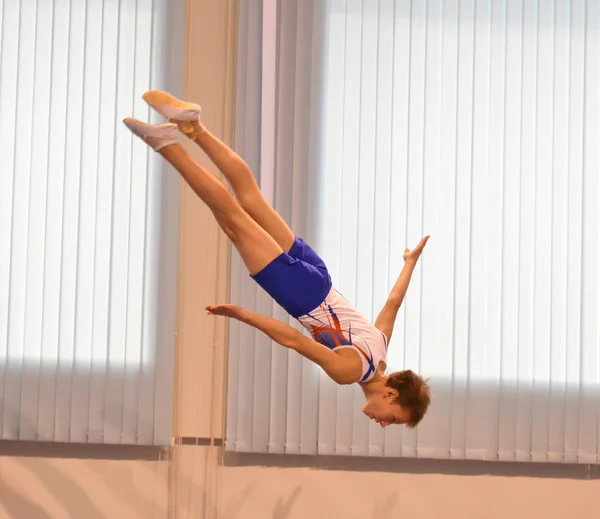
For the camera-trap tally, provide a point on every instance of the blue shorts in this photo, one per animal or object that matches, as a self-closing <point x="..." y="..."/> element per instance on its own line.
<point x="297" y="280"/>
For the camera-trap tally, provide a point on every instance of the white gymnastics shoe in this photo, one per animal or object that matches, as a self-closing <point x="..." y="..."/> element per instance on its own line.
<point x="157" y="136"/>
<point x="185" y="115"/>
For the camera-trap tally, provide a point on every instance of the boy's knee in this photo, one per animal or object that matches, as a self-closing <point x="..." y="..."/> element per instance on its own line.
<point x="250" y="200"/>
<point x="231" y="223"/>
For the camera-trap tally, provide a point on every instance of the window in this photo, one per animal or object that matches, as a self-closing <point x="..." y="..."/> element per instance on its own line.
<point x="82" y="263"/>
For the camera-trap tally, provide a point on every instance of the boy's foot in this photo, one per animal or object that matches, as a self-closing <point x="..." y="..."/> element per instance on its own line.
<point x="185" y="115"/>
<point x="157" y="136"/>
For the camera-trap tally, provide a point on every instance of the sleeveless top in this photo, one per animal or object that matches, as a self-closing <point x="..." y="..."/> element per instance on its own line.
<point x="335" y="323"/>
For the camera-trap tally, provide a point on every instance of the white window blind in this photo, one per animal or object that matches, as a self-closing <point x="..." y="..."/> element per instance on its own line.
<point x="475" y="121"/>
<point x="85" y="343"/>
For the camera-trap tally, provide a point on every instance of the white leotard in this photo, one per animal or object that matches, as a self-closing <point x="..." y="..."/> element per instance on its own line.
<point x="336" y="324"/>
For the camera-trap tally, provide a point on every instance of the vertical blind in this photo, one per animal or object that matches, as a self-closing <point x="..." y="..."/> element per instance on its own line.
<point x="475" y="121"/>
<point x="86" y="355"/>
<point x="282" y="98"/>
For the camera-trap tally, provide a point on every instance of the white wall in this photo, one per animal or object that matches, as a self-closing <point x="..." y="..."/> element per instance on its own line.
<point x="203" y="269"/>
<point x="35" y="488"/>
<point x="203" y="249"/>
<point x="300" y="493"/>
<point x="52" y="488"/>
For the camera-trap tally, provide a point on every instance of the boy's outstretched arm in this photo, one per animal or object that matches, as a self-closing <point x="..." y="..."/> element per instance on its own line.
<point x="387" y="317"/>
<point x="343" y="370"/>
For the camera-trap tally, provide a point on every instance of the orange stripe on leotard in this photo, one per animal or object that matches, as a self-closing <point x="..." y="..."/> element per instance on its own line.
<point x="334" y="330"/>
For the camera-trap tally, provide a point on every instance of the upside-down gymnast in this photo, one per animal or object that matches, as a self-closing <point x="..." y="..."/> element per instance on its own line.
<point x="344" y="343"/>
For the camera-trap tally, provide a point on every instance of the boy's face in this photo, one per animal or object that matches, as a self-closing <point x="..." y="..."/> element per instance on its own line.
<point x="384" y="411"/>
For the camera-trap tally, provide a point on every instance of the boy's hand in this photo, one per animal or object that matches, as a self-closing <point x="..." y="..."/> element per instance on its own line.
<point x="234" y="311"/>
<point x="413" y="255"/>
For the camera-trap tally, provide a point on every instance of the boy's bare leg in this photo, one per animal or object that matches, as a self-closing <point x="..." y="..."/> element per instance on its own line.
<point x="246" y="190"/>
<point x="256" y="247"/>
<point x="233" y="167"/>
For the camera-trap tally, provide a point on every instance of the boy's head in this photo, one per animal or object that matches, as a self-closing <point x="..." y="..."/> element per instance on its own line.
<point x="404" y="401"/>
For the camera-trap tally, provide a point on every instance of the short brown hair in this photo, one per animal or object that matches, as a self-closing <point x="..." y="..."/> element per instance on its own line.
<point x="414" y="394"/>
